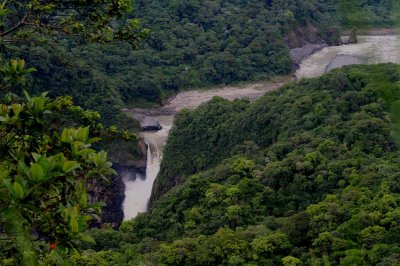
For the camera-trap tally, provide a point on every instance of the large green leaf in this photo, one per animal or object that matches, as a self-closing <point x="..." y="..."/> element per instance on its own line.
<point x="18" y="190"/>
<point x="66" y="135"/>
<point x="8" y="185"/>
<point x="36" y="172"/>
<point x="82" y="133"/>
<point x="83" y="200"/>
<point x="88" y="238"/>
<point x="73" y="223"/>
<point x="70" y="166"/>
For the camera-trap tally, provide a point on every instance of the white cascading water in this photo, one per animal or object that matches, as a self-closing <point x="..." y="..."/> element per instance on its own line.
<point x="138" y="190"/>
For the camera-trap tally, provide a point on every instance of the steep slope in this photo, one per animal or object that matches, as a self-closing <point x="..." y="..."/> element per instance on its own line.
<point x="310" y="177"/>
<point x="307" y="174"/>
<point x="220" y="126"/>
<point x="192" y="44"/>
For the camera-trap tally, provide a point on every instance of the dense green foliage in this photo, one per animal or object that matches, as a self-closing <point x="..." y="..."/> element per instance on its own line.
<point x="197" y="44"/>
<point x="99" y="21"/>
<point x="307" y="175"/>
<point x="220" y="126"/>
<point x="48" y="168"/>
<point x="50" y="175"/>
<point x="45" y="174"/>
<point x="192" y="44"/>
<point x="361" y="13"/>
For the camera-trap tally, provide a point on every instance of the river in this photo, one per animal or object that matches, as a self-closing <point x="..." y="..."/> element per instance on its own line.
<point x="369" y="50"/>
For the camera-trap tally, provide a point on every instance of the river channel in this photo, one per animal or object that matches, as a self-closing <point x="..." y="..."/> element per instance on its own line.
<point x="368" y="50"/>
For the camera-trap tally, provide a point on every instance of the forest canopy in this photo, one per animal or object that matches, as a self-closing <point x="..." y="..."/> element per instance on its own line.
<point x="306" y="175"/>
<point x="194" y="44"/>
<point x="50" y="174"/>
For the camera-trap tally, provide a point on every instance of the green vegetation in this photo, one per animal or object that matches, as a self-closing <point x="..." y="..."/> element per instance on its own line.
<point x="195" y="44"/>
<point x="192" y="44"/>
<point x="45" y="175"/>
<point x="50" y="176"/>
<point x="364" y="14"/>
<point x="307" y="175"/>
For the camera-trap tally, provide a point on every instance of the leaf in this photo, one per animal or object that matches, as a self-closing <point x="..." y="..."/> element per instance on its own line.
<point x="93" y="140"/>
<point x="36" y="172"/>
<point x="65" y="135"/>
<point x="8" y="185"/>
<point x="83" y="200"/>
<point x="27" y="96"/>
<point x="36" y="156"/>
<point x="18" y="190"/>
<point x="23" y="168"/>
<point x="88" y="239"/>
<point x="20" y="64"/>
<point x="70" y="166"/>
<point x="85" y="152"/>
<point x="74" y="225"/>
<point x="17" y="108"/>
<point x="83" y="134"/>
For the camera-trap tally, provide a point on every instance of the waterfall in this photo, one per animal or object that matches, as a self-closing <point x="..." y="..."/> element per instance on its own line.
<point x="138" y="187"/>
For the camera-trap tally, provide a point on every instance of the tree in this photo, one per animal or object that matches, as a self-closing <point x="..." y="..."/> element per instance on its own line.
<point x="44" y="176"/>
<point x="100" y="21"/>
<point x="47" y="164"/>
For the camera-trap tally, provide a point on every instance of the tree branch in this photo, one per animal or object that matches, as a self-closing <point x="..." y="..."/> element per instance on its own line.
<point x="15" y="27"/>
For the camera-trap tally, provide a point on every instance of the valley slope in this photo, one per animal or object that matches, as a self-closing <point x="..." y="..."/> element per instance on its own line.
<point x="307" y="174"/>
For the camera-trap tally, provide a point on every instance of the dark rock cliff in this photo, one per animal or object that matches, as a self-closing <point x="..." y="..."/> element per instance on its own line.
<point x="113" y="193"/>
<point x="113" y="196"/>
<point x="306" y="40"/>
<point x="309" y="34"/>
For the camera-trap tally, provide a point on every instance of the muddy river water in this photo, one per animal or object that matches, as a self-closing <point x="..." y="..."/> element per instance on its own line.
<point x="369" y="50"/>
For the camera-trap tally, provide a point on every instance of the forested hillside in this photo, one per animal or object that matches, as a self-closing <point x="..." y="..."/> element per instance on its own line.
<point x="192" y="44"/>
<point x="307" y="175"/>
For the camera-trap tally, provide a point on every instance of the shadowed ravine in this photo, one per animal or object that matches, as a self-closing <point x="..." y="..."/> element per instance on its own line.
<point x="369" y="50"/>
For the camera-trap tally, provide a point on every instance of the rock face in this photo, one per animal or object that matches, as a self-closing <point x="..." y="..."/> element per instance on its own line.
<point x="113" y="196"/>
<point x="149" y="123"/>
<point x="299" y="36"/>
<point x="306" y="40"/>
<point x="298" y="54"/>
